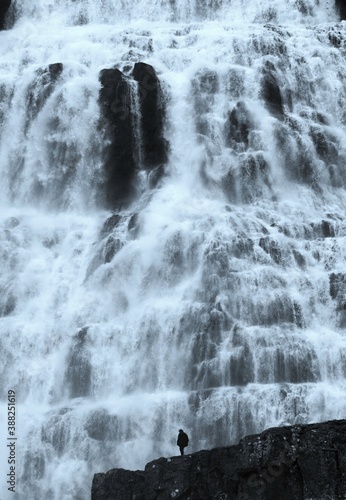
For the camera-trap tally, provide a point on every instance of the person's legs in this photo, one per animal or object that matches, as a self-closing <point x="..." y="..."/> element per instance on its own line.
<point x="181" y="450"/>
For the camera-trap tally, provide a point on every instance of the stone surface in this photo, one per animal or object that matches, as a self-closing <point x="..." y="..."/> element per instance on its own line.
<point x="297" y="462"/>
<point x="341" y="8"/>
<point x="4" y="6"/>
<point x="272" y="94"/>
<point x="132" y="118"/>
<point x="154" y="146"/>
<point x="239" y="126"/>
<point x="117" y="123"/>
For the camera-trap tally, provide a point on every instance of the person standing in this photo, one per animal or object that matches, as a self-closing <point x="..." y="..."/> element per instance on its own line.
<point x="182" y="441"/>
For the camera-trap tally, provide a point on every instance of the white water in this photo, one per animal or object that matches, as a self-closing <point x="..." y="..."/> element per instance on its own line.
<point x="216" y="314"/>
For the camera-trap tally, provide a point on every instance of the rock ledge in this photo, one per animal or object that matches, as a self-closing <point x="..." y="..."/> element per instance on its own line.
<point x="299" y="462"/>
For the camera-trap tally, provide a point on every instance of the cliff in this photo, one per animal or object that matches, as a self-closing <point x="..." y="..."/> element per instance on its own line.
<point x="285" y="463"/>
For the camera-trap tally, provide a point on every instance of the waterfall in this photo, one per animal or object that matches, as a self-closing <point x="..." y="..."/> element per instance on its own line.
<point x="172" y="229"/>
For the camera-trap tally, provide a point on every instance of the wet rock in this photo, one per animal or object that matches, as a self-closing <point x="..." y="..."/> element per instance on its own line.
<point x="303" y="7"/>
<point x="116" y="122"/>
<point x="337" y="284"/>
<point x="300" y="260"/>
<point x="299" y="461"/>
<point x="297" y="160"/>
<point x="102" y="426"/>
<point x="337" y="291"/>
<point x="204" y="86"/>
<point x="34" y="465"/>
<point x="154" y="145"/>
<point x="327" y="229"/>
<point x="272" y="248"/>
<point x="119" y="484"/>
<point x="271" y="94"/>
<point x="241" y="363"/>
<point x="206" y="82"/>
<point x="278" y="310"/>
<point x="133" y="225"/>
<point x="111" y="248"/>
<point x="4" y="6"/>
<point x="323" y="229"/>
<point x="336" y="38"/>
<point x="41" y="88"/>
<point x="78" y="372"/>
<point x="325" y="148"/>
<point x="155" y="176"/>
<point x="341" y="9"/>
<point x="110" y="224"/>
<point x="57" y="431"/>
<point x="55" y="70"/>
<point x="8" y="301"/>
<point x="295" y="367"/>
<point x="255" y="177"/>
<point x="240" y="125"/>
<point x="235" y="85"/>
<point x="134" y="137"/>
<point x="250" y="180"/>
<point x="242" y="246"/>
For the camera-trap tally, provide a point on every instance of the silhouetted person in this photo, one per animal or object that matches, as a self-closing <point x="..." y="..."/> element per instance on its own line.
<point x="182" y="441"/>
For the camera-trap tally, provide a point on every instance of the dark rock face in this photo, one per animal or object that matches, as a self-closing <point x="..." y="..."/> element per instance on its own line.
<point x="4" y="6"/>
<point x="134" y="136"/>
<point x="272" y="94"/>
<point x="154" y="146"/>
<point x="120" y="158"/>
<point x="55" y="70"/>
<point x="297" y="462"/>
<point x="341" y="8"/>
<point x="119" y="484"/>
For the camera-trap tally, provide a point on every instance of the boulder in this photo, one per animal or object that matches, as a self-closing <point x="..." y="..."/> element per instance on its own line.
<point x="294" y="462"/>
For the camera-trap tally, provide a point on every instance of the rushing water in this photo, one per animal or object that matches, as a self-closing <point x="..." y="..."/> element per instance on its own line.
<point x="215" y="301"/>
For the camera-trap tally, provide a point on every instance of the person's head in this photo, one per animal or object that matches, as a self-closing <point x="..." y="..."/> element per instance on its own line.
<point x="181" y="430"/>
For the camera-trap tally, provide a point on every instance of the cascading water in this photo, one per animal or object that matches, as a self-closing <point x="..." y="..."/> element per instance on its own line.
<point x="213" y="295"/>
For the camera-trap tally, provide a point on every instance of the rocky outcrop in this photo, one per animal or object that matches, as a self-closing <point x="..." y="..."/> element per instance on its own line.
<point x="132" y="118"/>
<point x="271" y="93"/>
<point x="116" y="121"/>
<point x="341" y="8"/>
<point x="297" y="462"/>
<point x="154" y="146"/>
<point x="4" y="6"/>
